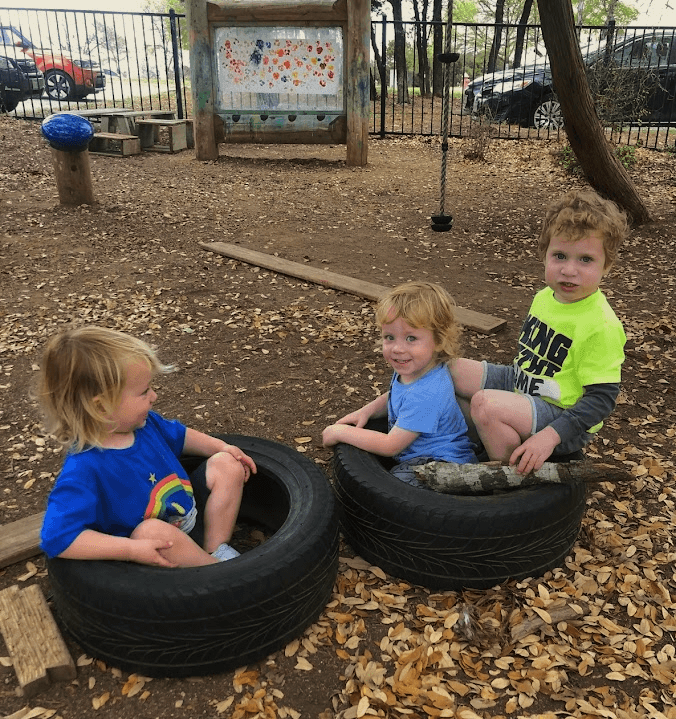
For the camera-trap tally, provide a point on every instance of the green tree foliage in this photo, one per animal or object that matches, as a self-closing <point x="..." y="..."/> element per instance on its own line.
<point x="597" y="12"/>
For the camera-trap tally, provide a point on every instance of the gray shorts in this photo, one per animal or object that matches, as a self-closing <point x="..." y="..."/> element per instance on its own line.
<point x="406" y="470"/>
<point x="497" y="376"/>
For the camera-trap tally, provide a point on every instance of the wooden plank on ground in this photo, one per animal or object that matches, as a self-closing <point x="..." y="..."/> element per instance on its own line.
<point x="39" y="654"/>
<point x="20" y="540"/>
<point x="469" y="318"/>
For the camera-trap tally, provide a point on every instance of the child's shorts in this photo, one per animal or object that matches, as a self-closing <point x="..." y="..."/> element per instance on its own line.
<point x="497" y="376"/>
<point x="406" y="470"/>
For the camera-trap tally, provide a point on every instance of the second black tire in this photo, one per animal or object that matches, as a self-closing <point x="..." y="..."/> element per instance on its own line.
<point x="450" y="542"/>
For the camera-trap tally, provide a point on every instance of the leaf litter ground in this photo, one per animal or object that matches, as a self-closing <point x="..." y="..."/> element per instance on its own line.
<point x="267" y="355"/>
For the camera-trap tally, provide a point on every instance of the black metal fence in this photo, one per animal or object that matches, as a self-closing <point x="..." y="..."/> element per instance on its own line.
<point x="140" y="61"/>
<point x="96" y="59"/>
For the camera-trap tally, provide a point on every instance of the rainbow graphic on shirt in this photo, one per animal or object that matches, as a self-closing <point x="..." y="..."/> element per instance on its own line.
<point x="171" y="498"/>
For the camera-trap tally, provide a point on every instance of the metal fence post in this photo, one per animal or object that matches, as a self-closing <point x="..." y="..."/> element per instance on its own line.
<point x="177" y="68"/>
<point x="383" y="80"/>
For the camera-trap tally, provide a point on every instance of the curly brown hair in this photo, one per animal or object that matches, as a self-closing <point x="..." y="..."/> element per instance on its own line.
<point x="582" y="211"/>
<point x="424" y="305"/>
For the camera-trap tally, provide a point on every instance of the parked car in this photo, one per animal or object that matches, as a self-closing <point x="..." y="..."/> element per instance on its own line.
<point x="66" y="77"/>
<point x="20" y="80"/>
<point x="526" y="95"/>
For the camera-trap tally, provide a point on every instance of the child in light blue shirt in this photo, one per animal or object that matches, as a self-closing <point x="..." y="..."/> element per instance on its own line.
<point x="419" y="335"/>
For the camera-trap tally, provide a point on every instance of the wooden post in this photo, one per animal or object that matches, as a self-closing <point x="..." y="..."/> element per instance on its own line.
<point x="357" y="85"/>
<point x="73" y="177"/>
<point x="201" y="76"/>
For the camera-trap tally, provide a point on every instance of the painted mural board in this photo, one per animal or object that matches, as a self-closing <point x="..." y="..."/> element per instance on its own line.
<point x="286" y="69"/>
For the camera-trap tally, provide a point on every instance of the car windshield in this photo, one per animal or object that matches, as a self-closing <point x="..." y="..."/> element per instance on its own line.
<point x="11" y="36"/>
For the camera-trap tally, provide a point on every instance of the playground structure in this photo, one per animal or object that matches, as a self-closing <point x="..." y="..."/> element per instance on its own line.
<point x="280" y="71"/>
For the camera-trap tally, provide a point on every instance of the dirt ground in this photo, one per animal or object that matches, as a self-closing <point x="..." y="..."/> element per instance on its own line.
<point x="268" y="355"/>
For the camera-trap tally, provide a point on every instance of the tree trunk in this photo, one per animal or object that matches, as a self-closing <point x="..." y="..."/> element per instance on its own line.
<point x="497" y="35"/>
<point x="521" y="32"/>
<point x="450" y="478"/>
<point x="421" y="47"/>
<point x="584" y="131"/>
<point x="382" y="71"/>
<point x="437" y="49"/>
<point x="400" y="52"/>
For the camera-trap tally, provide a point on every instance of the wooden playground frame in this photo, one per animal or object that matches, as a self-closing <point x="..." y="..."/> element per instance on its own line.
<point x="352" y="15"/>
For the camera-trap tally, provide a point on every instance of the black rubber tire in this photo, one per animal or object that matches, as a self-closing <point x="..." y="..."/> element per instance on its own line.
<point x="203" y="620"/>
<point x="7" y="105"/>
<point x="448" y="542"/>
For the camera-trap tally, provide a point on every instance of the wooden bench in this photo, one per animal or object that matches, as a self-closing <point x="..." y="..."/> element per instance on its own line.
<point x="180" y="138"/>
<point x="114" y="144"/>
<point x="124" y="121"/>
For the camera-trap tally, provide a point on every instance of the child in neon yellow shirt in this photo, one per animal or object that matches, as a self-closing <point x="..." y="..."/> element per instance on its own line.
<point x="566" y="376"/>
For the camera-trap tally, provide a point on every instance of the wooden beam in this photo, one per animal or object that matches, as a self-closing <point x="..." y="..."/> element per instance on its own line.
<point x="20" y="540"/>
<point x="276" y="11"/>
<point x="39" y="654"/>
<point x="469" y="318"/>
<point x="357" y="84"/>
<point x="201" y="79"/>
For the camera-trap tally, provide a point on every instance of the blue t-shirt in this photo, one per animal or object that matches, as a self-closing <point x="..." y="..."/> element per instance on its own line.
<point x="113" y="490"/>
<point x="429" y="406"/>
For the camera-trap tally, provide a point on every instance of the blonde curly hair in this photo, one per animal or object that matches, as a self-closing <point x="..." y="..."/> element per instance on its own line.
<point x="424" y="305"/>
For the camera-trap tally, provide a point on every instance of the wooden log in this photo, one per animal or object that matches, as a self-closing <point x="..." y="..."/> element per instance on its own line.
<point x="73" y="177"/>
<point x="369" y="290"/>
<point x="20" y="539"/>
<point x="38" y="652"/>
<point x="451" y="478"/>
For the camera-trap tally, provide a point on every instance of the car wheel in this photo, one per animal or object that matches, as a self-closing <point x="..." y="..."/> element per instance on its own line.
<point x="448" y="542"/>
<point x="548" y="115"/>
<point x="7" y="105"/>
<point x="59" y="85"/>
<point x="203" y="620"/>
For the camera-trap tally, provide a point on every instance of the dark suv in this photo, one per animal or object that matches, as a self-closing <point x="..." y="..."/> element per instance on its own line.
<point x="20" y="80"/>
<point x="526" y="96"/>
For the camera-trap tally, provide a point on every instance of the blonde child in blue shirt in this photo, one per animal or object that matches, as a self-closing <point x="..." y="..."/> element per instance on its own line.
<point x="122" y="492"/>
<point x="419" y="336"/>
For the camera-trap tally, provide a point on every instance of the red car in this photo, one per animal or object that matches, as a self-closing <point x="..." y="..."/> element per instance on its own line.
<point x="66" y="77"/>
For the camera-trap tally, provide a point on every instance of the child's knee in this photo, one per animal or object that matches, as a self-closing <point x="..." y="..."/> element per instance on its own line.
<point x="479" y="407"/>
<point x="223" y="468"/>
<point x="154" y="529"/>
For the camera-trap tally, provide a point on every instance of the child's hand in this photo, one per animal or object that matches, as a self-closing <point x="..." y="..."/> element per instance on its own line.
<point x="244" y="459"/>
<point x="535" y="451"/>
<point x="333" y="434"/>
<point x="359" y="418"/>
<point x="148" y="551"/>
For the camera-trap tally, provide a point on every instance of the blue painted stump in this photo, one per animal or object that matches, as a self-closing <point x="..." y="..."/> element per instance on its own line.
<point x="69" y="135"/>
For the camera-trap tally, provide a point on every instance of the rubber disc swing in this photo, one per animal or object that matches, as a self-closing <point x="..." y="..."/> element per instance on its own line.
<point x="443" y="222"/>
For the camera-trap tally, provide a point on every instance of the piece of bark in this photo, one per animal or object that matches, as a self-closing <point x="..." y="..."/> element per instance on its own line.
<point x="451" y="478"/>
<point x="575" y="610"/>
